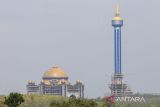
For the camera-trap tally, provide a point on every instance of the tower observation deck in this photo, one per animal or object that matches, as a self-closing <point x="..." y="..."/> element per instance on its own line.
<point x="118" y="88"/>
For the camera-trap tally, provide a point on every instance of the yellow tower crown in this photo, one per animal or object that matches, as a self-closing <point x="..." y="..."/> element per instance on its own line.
<point x="117" y="10"/>
<point x="117" y="16"/>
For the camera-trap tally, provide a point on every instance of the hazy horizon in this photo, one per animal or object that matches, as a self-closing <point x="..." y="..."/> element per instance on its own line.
<point x="77" y="36"/>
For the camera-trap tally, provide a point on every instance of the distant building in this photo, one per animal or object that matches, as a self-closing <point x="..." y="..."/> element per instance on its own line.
<point x="55" y="81"/>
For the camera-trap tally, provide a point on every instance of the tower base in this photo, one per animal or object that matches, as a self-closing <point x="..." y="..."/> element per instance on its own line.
<point x="118" y="87"/>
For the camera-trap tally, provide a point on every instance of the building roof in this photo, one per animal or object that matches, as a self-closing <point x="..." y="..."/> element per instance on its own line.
<point x="55" y="72"/>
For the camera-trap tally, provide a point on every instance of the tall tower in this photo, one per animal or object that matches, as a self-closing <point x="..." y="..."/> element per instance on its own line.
<point x="118" y="88"/>
<point x="117" y="23"/>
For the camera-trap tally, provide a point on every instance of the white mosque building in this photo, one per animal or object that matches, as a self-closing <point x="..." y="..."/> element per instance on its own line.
<point x="55" y="82"/>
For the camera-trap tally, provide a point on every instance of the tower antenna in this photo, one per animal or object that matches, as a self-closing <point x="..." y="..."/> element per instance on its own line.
<point x="117" y="9"/>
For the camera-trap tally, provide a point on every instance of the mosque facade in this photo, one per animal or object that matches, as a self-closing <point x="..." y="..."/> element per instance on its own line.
<point x="55" y="82"/>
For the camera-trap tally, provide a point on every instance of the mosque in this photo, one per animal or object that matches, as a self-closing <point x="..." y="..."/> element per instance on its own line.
<point x="55" y="82"/>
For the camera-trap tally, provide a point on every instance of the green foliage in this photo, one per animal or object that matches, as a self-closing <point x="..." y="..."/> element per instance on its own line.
<point x="14" y="100"/>
<point x="108" y="104"/>
<point x="41" y="100"/>
<point x="73" y="96"/>
<point x="73" y="102"/>
<point x="54" y="101"/>
<point x="101" y="104"/>
<point x="2" y="98"/>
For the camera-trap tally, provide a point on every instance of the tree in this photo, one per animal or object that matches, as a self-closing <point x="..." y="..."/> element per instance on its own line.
<point x="73" y="97"/>
<point x="14" y="100"/>
<point x="55" y="104"/>
<point x="92" y="103"/>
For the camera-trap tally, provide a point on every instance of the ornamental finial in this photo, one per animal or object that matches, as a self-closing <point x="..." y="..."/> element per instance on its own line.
<point x="117" y="9"/>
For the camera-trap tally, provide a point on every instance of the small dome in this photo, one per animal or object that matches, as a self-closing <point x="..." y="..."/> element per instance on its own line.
<point x="78" y="81"/>
<point x="55" y="72"/>
<point x="30" y="81"/>
<point x="117" y="18"/>
<point x="63" y="82"/>
<point x="46" y="82"/>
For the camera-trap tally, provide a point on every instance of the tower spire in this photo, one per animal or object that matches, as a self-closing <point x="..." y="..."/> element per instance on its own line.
<point x="117" y="9"/>
<point x="117" y="14"/>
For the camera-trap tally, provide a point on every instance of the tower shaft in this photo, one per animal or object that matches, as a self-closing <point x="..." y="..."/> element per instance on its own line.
<point x="117" y="23"/>
<point x="117" y="49"/>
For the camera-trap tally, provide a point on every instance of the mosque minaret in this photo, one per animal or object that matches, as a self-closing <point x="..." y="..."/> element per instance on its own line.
<point x="117" y="86"/>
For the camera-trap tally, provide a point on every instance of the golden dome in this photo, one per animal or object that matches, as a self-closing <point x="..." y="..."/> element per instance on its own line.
<point x="117" y="18"/>
<point x="55" y="72"/>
